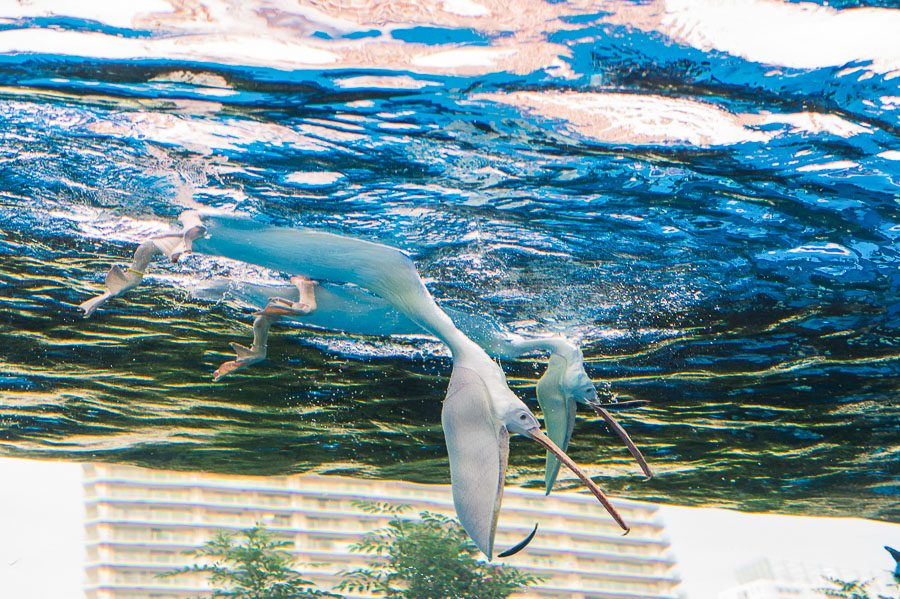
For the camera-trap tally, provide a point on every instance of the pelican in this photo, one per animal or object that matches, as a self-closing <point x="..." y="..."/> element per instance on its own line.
<point x="479" y="412"/>
<point x="353" y="310"/>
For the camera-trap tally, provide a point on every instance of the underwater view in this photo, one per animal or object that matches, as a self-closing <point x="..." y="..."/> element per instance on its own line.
<point x="680" y="214"/>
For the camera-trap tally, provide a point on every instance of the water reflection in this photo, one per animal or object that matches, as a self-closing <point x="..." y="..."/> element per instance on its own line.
<point x="460" y="37"/>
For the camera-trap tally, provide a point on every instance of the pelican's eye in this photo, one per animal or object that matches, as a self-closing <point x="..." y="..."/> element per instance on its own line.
<point x="521" y="421"/>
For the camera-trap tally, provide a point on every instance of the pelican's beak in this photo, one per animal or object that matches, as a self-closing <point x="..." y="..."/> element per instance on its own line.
<point x="623" y="435"/>
<point x="539" y="436"/>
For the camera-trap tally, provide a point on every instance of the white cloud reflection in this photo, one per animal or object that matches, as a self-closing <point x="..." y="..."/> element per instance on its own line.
<point x="647" y="119"/>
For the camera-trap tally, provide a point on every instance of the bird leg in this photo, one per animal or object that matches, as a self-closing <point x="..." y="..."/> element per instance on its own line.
<point x="247" y="356"/>
<point x="174" y="246"/>
<point x="119" y="281"/>
<point x="277" y="308"/>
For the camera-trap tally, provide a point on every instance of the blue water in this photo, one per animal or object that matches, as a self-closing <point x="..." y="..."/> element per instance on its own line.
<point x="717" y="227"/>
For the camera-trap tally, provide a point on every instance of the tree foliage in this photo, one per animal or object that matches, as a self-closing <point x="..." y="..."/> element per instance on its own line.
<point x="849" y="589"/>
<point x="430" y="558"/>
<point x="251" y="564"/>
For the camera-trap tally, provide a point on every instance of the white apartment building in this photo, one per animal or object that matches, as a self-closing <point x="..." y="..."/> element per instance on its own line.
<point x="784" y="579"/>
<point x="140" y="522"/>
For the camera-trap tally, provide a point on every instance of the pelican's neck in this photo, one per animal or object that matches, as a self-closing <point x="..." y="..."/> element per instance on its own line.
<point x="465" y="351"/>
<point x="419" y="306"/>
<point x="556" y="346"/>
<point x="383" y="270"/>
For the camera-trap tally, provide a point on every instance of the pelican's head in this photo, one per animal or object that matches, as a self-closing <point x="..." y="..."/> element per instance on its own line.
<point x="479" y="413"/>
<point x="564" y="385"/>
<point x="517" y="418"/>
<point x="575" y="384"/>
<point x="565" y="375"/>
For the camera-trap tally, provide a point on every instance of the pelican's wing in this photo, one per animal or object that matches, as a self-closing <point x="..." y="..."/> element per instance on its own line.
<point x="559" y="416"/>
<point x="479" y="449"/>
<point x="559" y="420"/>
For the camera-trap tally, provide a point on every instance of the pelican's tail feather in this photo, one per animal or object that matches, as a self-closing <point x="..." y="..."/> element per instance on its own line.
<point x="520" y="545"/>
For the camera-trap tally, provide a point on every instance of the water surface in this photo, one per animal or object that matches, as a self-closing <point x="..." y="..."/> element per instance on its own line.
<point x="706" y="199"/>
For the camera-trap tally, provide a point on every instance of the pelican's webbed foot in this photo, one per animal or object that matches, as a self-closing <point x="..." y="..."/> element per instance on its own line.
<point x="305" y="304"/>
<point x="246" y="356"/>
<point x="118" y="281"/>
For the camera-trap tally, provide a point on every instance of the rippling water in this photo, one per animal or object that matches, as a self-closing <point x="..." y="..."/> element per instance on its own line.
<point x="705" y="197"/>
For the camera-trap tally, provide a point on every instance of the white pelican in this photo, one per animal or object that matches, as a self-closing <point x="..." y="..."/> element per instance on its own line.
<point x="353" y="310"/>
<point x="479" y="411"/>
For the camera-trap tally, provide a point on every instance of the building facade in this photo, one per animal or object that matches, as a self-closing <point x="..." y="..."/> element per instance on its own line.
<point x="785" y="579"/>
<point x="140" y="523"/>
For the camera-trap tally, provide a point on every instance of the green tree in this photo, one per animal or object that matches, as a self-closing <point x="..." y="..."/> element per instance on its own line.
<point x="250" y="564"/>
<point x="848" y="589"/>
<point x="430" y="558"/>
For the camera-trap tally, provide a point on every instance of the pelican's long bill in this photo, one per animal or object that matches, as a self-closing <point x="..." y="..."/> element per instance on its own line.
<point x="539" y="436"/>
<point x="626" y="439"/>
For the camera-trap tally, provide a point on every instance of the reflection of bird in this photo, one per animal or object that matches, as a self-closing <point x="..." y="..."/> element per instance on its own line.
<point x="896" y="555"/>
<point x="479" y="412"/>
<point x="119" y="281"/>
<point x="276" y="308"/>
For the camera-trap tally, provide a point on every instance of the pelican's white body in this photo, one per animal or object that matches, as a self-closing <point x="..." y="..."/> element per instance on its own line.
<point x="480" y="409"/>
<point x="479" y="412"/>
<point x="354" y="310"/>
